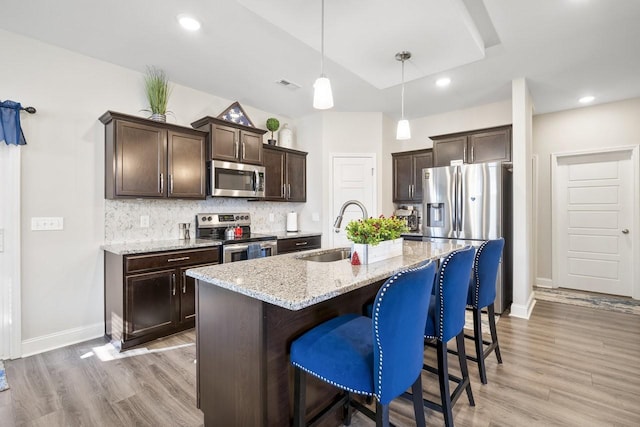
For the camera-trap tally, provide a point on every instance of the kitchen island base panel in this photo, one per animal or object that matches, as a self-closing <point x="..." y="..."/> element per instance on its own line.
<point x="244" y="375"/>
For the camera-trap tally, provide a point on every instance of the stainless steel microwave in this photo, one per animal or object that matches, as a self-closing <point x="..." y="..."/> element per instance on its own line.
<point x="236" y="179"/>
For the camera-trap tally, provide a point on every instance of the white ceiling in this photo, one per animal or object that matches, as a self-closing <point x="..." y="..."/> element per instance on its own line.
<point x="565" y="48"/>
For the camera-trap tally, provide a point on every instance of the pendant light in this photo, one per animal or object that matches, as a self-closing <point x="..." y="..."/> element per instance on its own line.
<point x="403" y="131"/>
<point x="322" y="95"/>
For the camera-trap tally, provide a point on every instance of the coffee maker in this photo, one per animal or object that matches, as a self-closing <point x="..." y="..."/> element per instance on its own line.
<point x="410" y="216"/>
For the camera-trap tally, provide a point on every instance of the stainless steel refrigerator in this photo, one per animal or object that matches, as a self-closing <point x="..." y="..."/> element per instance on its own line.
<point x="471" y="202"/>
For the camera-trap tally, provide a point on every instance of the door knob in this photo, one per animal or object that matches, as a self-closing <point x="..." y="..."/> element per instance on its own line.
<point x="625" y="231"/>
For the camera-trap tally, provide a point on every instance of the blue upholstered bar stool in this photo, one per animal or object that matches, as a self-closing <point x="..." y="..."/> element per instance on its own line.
<point x="482" y="293"/>
<point x="379" y="356"/>
<point x="446" y="321"/>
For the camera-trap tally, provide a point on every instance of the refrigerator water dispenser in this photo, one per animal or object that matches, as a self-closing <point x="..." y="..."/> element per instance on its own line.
<point x="435" y="215"/>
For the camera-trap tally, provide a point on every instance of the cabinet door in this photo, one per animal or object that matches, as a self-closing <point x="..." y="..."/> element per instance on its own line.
<point x="140" y="162"/>
<point x="446" y="150"/>
<point x="186" y="166"/>
<point x="150" y="306"/>
<point x="296" y="177"/>
<point x="274" y="164"/>
<point x="187" y="291"/>
<point x="225" y="144"/>
<point x="420" y="161"/>
<point x="402" y="177"/>
<point x="251" y="147"/>
<point x="490" y="146"/>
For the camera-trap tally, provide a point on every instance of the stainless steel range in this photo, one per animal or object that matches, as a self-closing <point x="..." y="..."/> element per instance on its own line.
<point x="244" y="244"/>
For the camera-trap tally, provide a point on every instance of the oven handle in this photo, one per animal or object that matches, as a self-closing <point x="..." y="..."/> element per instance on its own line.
<point x="244" y="246"/>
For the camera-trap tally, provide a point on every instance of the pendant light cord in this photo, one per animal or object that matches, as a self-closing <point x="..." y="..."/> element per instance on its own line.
<point x="402" y="88"/>
<point x="322" y="42"/>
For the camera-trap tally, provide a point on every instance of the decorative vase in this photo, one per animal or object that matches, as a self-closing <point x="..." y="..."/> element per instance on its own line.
<point x="157" y="117"/>
<point x="286" y="136"/>
<point x="386" y="249"/>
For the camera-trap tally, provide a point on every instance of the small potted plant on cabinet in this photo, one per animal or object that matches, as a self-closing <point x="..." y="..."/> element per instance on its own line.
<point x="158" y="90"/>
<point x="272" y="124"/>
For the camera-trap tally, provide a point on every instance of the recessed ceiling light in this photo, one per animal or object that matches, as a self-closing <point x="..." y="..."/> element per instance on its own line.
<point x="443" y="82"/>
<point x="586" y="99"/>
<point x="189" y="23"/>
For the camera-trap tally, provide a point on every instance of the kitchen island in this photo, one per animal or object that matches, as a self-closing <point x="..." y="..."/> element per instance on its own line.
<point x="248" y="313"/>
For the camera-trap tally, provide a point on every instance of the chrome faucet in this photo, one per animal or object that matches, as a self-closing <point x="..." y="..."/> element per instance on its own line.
<point x="338" y="221"/>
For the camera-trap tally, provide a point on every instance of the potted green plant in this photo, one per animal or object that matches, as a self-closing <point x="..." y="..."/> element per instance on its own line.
<point x="375" y="239"/>
<point x="158" y="91"/>
<point x="272" y="124"/>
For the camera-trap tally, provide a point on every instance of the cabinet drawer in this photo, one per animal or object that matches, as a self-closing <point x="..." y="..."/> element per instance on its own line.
<point x="140" y="263"/>
<point x="298" y="244"/>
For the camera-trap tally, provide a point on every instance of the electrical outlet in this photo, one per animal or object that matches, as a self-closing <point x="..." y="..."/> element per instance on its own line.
<point x="47" y="223"/>
<point x="144" y="221"/>
<point x="271" y="217"/>
<point x="315" y="217"/>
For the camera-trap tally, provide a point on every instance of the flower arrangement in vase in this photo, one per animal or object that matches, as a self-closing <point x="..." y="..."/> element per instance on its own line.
<point x="158" y="91"/>
<point x="375" y="239"/>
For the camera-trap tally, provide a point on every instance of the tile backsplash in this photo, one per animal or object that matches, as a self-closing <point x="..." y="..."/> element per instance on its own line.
<point x="122" y="217"/>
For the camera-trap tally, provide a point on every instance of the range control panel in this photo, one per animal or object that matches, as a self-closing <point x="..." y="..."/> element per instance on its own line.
<point x="210" y="220"/>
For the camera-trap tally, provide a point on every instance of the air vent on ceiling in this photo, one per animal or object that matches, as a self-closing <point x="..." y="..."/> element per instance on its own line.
<point x="288" y="84"/>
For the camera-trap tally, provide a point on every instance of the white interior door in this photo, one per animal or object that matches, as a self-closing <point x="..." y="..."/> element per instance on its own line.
<point x="353" y="179"/>
<point x="594" y="207"/>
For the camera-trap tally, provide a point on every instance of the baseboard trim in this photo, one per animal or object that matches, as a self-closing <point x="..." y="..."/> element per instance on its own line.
<point x="543" y="282"/>
<point x="61" y="339"/>
<point x="524" y="311"/>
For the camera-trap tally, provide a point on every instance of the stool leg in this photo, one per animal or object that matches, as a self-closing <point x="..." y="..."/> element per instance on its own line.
<point x="418" y="408"/>
<point x="494" y="333"/>
<point x="462" y="358"/>
<point x="443" y="377"/>
<point x="382" y="415"/>
<point x="299" y="397"/>
<point x="348" y="411"/>
<point x="477" y="338"/>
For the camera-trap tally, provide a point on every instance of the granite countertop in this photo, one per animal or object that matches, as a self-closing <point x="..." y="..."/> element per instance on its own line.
<point x="159" y="246"/>
<point x="293" y="283"/>
<point x="281" y="235"/>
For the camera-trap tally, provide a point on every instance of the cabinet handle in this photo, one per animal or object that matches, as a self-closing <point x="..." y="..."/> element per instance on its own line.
<point x="464" y="153"/>
<point x="170" y="184"/>
<point x="161" y="183"/>
<point x="236" y="146"/>
<point x="282" y="190"/>
<point x="173" y="283"/>
<point x="472" y="156"/>
<point x="184" y="282"/>
<point x="302" y="243"/>
<point x="243" y="151"/>
<point x="182" y="258"/>
<point x="288" y="191"/>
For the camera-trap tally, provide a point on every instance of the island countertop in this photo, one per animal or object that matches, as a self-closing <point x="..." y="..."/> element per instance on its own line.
<point x="293" y="283"/>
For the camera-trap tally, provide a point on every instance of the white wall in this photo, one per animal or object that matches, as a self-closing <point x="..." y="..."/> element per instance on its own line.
<point x="607" y="125"/>
<point x="63" y="175"/>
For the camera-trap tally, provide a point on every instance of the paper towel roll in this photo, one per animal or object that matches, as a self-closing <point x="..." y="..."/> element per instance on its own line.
<point x="292" y="221"/>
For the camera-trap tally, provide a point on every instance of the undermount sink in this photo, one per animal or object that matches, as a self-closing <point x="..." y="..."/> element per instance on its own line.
<point x="328" y="256"/>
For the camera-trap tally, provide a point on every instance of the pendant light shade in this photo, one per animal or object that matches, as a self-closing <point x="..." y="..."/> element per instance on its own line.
<point x="403" y="131"/>
<point x="322" y="95"/>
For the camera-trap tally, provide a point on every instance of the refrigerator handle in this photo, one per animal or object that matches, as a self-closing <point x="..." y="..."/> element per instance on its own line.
<point x="455" y="199"/>
<point x="459" y="198"/>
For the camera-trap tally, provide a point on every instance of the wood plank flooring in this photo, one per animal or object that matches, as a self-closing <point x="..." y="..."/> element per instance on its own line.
<point x="566" y="366"/>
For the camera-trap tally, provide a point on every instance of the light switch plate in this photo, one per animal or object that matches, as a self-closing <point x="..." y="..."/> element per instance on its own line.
<point x="315" y="217"/>
<point x="271" y="217"/>
<point x="48" y="223"/>
<point x="144" y="221"/>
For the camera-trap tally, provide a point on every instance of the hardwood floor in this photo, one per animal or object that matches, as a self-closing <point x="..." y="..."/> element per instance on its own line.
<point x="566" y="366"/>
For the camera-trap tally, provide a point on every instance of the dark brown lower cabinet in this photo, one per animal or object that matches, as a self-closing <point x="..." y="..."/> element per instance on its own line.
<point x="149" y="296"/>
<point x="297" y="244"/>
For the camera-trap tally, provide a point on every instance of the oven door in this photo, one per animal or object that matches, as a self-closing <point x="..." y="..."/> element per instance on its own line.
<point x="240" y="251"/>
<point x="236" y="179"/>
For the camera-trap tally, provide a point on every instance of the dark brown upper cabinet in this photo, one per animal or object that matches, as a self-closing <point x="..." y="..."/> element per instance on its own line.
<point x="407" y="176"/>
<point x="232" y="142"/>
<point x="285" y="174"/>
<point x="485" y="145"/>
<point x="148" y="159"/>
